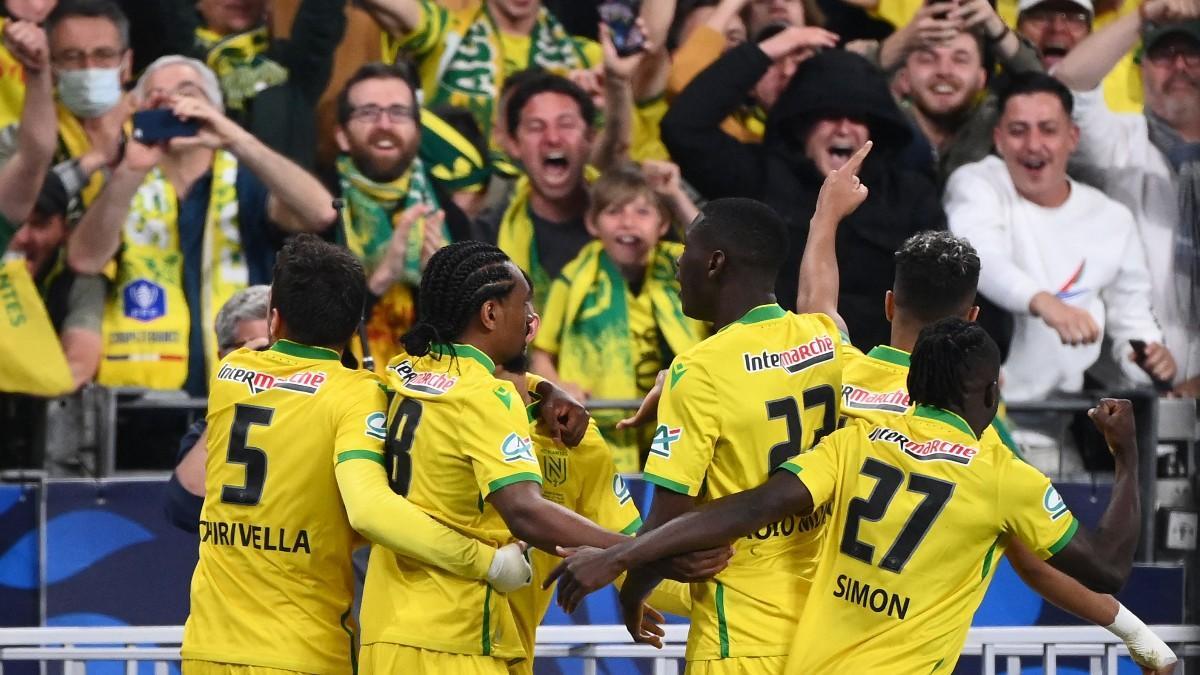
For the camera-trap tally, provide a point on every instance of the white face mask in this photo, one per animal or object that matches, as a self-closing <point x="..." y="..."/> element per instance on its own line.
<point x="89" y="92"/>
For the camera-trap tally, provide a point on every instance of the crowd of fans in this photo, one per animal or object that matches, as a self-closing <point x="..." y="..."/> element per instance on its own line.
<point x="1061" y="137"/>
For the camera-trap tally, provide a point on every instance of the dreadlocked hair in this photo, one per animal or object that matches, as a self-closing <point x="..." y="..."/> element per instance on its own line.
<point x="457" y="281"/>
<point x="947" y="355"/>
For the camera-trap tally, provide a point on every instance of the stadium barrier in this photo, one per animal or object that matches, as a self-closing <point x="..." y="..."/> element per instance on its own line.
<point x="1017" y="647"/>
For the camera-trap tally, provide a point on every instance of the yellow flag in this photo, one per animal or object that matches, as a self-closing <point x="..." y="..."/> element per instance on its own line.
<point x="31" y="360"/>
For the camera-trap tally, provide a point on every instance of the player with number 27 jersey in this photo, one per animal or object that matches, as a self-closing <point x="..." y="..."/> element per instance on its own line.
<point x="900" y="583"/>
<point x="733" y="408"/>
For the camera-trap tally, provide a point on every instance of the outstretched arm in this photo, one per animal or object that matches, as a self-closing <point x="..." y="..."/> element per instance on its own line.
<point x="545" y="524"/>
<point x="395" y="16"/>
<point x="21" y="176"/>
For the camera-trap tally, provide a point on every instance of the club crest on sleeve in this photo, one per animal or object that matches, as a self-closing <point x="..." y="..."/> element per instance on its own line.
<point x="664" y="437"/>
<point x="1053" y="503"/>
<point x="377" y="426"/>
<point x="620" y="490"/>
<point x="517" y="449"/>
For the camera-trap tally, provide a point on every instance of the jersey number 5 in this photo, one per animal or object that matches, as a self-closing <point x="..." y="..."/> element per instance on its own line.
<point x="787" y="409"/>
<point x="254" y="459"/>
<point x="405" y="418"/>
<point x="888" y="479"/>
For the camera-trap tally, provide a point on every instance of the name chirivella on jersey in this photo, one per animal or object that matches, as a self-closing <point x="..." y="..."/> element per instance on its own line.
<point x="259" y="537"/>
<point x="801" y="357"/>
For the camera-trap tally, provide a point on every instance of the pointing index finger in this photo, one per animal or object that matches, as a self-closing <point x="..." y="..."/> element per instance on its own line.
<point x="857" y="159"/>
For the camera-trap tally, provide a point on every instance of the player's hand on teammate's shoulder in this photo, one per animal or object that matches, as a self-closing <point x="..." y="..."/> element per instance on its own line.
<point x="510" y="570"/>
<point x="566" y="419"/>
<point x="649" y="407"/>
<point x="1113" y="417"/>
<point x="842" y="192"/>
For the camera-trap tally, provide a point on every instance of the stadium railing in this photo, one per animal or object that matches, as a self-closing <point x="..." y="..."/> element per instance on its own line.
<point x="1014" y="647"/>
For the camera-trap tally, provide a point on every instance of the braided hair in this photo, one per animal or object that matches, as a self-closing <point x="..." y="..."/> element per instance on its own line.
<point x="457" y="281"/>
<point x="950" y="354"/>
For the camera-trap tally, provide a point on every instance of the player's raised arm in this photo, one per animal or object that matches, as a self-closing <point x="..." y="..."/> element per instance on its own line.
<point x="1101" y="560"/>
<point x="841" y="193"/>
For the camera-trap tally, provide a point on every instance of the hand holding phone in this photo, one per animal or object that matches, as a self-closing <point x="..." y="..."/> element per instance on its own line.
<point x="1139" y="357"/>
<point x="161" y="124"/>
<point x="621" y="18"/>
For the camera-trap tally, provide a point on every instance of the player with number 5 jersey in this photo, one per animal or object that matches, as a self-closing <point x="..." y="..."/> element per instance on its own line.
<point x="293" y="476"/>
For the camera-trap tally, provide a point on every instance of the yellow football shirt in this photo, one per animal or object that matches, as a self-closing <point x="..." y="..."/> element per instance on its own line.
<point x="274" y="584"/>
<point x="455" y="435"/>
<point x="734" y="407"/>
<point x="920" y="509"/>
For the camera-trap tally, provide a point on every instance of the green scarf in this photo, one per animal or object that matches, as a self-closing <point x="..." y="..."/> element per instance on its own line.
<point x="371" y="210"/>
<point x="471" y="73"/>
<point x="239" y="63"/>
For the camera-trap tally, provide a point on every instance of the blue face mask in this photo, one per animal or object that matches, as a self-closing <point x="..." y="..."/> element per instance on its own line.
<point x="89" y="92"/>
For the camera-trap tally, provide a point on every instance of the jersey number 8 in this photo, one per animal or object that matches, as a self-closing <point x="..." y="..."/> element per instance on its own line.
<point x="405" y="418"/>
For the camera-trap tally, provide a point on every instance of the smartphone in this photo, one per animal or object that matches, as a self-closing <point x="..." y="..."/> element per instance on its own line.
<point x="160" y="124"/>
<point x="1139" y="353"/>
<point x="621" y="18"/>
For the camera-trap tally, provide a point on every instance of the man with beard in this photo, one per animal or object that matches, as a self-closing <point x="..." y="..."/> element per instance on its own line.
<point x="942" y="80"/>
<point x="1150" y="162"/>
<point x="393" y="216"/>
<point x="1056" y="26"/>
<point x="835" y="103"/>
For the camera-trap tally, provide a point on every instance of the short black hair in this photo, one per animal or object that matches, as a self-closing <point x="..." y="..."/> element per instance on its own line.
<point x="92" y="9"/>
<point x="458" y="279"/>
<point x="949" y="355"/>
<point x="937" y="275"/>
<point x="1023" y="84"/>
<point x="752" y="234"/>
<point x="401" y="70"/>
<point x="464" y="123"/>
<point x="319" y="289"/>
<point x="543" y="82"/>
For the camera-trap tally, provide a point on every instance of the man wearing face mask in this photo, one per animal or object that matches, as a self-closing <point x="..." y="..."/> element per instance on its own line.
<point x="189" y="221"/>
<point x="835" y="103"/>
<point x="89" y="52"/>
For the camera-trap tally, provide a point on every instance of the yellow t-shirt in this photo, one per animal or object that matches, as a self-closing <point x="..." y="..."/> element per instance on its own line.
<point x="12" y="85"/>
<point x="646" y="132"/>
<point x="1123" y="85"/>
<point x="900" y="12"/>
<point x="921" y="509"/>
<point x="274" y="583"/>
<point x="455" y="435"/>
<point x="734" y="407"/>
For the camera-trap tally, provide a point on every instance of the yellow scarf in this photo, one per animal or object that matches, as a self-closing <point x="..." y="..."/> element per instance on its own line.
<point x="31" y="361"/>
<point x="147" y="320"/>
<point x="516" y="236"/>
<point x="587" y="309"/>
<point x="239" y="63"/>
<point x="75" y="144"/>
<point x="12" y="85"/>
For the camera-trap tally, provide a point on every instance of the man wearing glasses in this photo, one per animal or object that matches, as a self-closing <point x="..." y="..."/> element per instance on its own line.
<point x="1150" y="162"/>
<point x="91" y="59"/>
<point x="394" y="216"/>
<point x="189" y="221"/>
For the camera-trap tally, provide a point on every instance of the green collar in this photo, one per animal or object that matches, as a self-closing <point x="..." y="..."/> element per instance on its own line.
<point x="305" y="351"/>
<point x="760" y="314"/>
<point x="468" y="351"/>
<point x="945" y="417"/>
<point x="891" y="355"/>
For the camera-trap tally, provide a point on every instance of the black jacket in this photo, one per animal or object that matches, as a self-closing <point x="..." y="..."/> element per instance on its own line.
<point x="832" y="84"/>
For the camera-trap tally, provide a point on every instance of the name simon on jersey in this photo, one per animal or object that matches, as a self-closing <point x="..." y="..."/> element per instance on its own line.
<point x="819" y="350"/>
<point x="878" y="600"/>
<point x="305" y="382"/>
<point x="935" y="449"/>
<point x="794" y="524"/>
<point x="435" y="384"/>
<point x="863" y="399"/>
<point x="258" y="537"/>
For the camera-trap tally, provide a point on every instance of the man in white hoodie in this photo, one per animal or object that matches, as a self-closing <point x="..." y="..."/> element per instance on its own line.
<point x="1065" y="259"/>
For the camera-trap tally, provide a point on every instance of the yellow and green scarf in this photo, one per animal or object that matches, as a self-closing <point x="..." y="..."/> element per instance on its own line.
<point x="239" y="63"/>
<point x="368" y="220"/>
<point x="31" y="361"/>
<point x="147" y="320"/>
<point x="516" y="236"/>
<point x="472" y="70"/>
<point x="587" y="309"/>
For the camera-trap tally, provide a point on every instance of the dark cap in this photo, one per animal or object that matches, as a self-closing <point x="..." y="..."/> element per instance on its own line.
<point x="1153" y="32"/>
<point x="52" y="200"/>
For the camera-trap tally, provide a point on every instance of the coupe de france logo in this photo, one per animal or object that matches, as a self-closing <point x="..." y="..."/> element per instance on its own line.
<point x="1053" y="503"/>
<point x="145" y="300"/>
<point x="517" y="449"/>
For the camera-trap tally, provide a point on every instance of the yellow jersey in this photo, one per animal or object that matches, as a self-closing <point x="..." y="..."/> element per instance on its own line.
<point x="455" y="435"/>
<point x="274" y="583"/>
<point x="920" y="509"/>
<point x="733" y="408"/>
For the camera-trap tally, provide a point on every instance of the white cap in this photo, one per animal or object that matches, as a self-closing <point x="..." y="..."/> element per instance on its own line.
<point x="1025" y="5"/>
